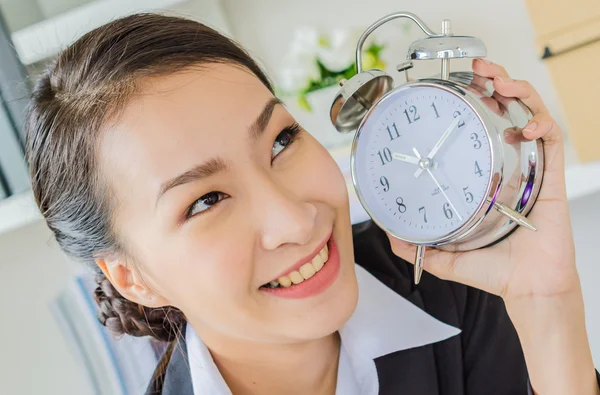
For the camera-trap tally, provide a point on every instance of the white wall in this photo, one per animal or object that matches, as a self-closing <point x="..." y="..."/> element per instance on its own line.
<point x="35" y="358"/>
<point x="585" y="218"/>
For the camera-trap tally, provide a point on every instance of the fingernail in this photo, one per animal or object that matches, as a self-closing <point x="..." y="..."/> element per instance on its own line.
<point x="485" y="61"/>
<point x="531" y="127"/>
<point x="503" y="79"/>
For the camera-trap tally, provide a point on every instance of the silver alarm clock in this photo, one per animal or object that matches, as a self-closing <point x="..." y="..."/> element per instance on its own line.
<point x="430" y="162"/>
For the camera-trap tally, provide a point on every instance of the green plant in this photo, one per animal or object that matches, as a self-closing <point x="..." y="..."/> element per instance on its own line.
<point x="371" y="60"/>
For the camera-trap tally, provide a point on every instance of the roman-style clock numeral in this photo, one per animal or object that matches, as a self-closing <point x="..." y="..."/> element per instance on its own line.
<point x="478" y="170"/>
<point x="447" y="211"/>
<point x="412" y="114"/>
<point x="476" y="141"/>
<point x="394" y="134"/>
<point x="437" y="115"/>
<point x="384" y="183"/>
<point x="468" y="195"/>
<point x="401" y="205"/>
<point x="461" y="123"/>
<point x="424" y="212"/>
<point x="385" y="155"/>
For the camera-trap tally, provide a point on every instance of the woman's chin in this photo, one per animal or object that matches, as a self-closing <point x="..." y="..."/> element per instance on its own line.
<point x="330" y="311"/>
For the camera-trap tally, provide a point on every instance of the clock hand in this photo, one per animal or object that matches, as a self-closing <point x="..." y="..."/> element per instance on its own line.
<point x="405" y="158"/>
<point x="444" y="193"/>
<point x="438" y="145"/>
<point x="409" y="159"/>
<point x="438" y="185"/>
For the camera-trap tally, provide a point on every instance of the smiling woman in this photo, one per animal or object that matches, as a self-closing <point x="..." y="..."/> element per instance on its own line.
<point x="160" y="156"/>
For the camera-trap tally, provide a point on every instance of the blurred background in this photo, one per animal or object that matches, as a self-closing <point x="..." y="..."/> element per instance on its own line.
<point x="51" y="342"/>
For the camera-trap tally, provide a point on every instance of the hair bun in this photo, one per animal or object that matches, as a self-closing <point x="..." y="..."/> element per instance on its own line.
<point x="122" y="316"/>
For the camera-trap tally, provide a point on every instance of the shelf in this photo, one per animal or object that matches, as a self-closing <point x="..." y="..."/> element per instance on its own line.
<point x="47" y="38"/>
<point x="18" y="211"/>
<point x="582" y="180"/>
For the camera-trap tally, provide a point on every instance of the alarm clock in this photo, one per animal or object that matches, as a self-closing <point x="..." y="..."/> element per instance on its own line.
<point x="431" y="162"/>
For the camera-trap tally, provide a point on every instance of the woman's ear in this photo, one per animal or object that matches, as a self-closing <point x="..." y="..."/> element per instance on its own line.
<point x="128" y="282"/>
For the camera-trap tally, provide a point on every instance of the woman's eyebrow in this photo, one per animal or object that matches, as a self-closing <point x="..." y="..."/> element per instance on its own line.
<point x="260" y="124"/>
<point x="198" y="172"/>
<point x="217" y="165"/>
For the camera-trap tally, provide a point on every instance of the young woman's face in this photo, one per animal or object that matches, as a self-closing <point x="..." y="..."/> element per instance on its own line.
<point x="219" y="192"/>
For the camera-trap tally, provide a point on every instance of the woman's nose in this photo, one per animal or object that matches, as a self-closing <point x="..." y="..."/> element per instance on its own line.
<point x="285" y="218"/>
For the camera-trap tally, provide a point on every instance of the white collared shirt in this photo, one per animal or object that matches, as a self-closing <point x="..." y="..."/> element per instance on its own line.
<point x="383" y="322"/>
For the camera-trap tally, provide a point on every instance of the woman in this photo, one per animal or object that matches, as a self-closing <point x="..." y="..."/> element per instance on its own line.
<point x="160" y="155"/>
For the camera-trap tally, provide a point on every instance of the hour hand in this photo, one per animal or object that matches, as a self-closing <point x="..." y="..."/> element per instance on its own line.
<point x="405" y="158"/>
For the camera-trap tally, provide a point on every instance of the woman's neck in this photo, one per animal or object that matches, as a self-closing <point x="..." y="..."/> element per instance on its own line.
<point x="261" y="368"/>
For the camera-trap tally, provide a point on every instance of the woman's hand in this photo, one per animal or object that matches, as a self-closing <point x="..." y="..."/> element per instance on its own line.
<point x="534" y="272"/>
<point x="526" y="263"/>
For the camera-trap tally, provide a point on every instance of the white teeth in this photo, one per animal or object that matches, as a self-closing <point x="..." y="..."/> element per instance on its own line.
<point x="318" y="262"/>
<point x="323" y="255"/>
<point x="296" y="277"/>
<point x="307" y="270"/>
<point x="284" y="281"/>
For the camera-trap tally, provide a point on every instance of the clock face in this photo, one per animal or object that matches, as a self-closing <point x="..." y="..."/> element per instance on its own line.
<point x="422" y="163"/>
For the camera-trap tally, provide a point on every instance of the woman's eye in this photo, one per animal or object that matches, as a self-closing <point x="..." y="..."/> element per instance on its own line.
<point x="205" y="203"/>
<point x="285" y="139"/>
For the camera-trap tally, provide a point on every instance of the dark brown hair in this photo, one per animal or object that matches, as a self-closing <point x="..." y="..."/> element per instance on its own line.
<point x="79" y="92"/>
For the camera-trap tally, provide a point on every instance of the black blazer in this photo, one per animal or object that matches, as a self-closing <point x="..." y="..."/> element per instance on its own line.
<point x="485" y="358"/>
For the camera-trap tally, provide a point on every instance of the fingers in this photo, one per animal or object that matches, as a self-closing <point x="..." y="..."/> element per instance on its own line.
<point x="439" y="263"/>
<point x="485" y="68"/>
<point x="543" y="126"/>
<point x="523" y="91"/>
<point x="468" y="268"/>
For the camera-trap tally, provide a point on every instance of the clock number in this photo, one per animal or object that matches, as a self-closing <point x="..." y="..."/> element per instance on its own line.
<point x="447" y="212"/>
<point x="461" y="123"/>
<point x="401" y="205"/>
<point x="413" y="111"/>
<point x="437" y="115"/>
<point x="478" y="169"/>
<point x="393" y="134"/>
<point x="468" y="195"/>
<point x="422" y="209"/>
<point x="475" y="138"/>
<point x="386" y="156"/>
<point x="385" y="183"/>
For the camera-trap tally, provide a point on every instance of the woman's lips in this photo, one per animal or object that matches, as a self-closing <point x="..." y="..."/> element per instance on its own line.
<point x="308" y="259"/>
<point x="316" y="283"/>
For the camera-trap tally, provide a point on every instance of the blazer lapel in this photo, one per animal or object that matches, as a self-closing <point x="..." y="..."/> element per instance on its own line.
<point x="410" y="372"/>
<point x="177" y="379"/>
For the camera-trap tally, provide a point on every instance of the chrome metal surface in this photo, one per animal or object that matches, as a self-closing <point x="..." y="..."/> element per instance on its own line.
<point x="513" y="215"/>
<point x="382" y="21"/>
<point x="405" y="66"/>
<point x="446" y="31"/>
<point x="356" y="97"/>
<point x="446" y="47"/>
<point x="516" y="168"/>
<point x="516" y="173"/>
<point x="419" y="261"/>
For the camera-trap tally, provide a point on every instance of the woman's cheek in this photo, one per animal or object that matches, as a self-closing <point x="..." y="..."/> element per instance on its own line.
<point x="327" y="179"/>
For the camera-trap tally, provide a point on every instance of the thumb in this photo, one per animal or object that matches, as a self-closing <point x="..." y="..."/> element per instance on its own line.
<point x="465" y="267"/>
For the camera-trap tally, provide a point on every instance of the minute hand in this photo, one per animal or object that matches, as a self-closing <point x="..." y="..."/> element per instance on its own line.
<point x="440" y="142"/>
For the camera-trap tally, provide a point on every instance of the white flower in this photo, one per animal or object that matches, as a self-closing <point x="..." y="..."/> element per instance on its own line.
<point x="340" y="50"/>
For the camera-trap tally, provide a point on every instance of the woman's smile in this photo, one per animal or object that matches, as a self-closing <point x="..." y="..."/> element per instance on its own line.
<point x="310" y="276"/>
